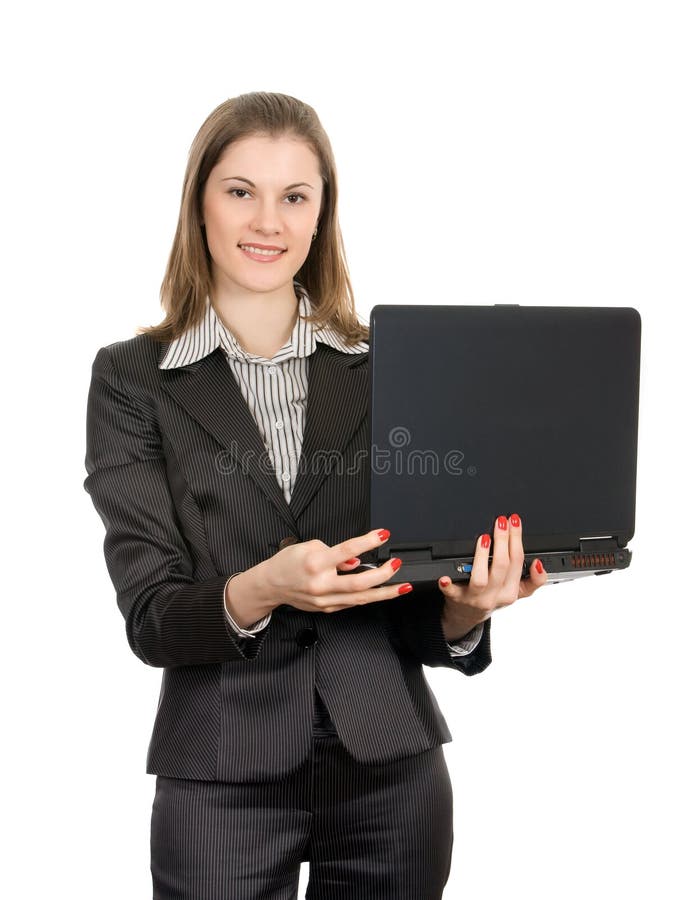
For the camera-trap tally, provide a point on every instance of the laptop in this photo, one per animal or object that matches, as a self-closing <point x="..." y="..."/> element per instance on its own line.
<point x="479" y="411"/>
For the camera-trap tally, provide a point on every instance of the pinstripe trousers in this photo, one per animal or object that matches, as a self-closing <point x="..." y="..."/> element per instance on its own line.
<point x="369" y="832"/>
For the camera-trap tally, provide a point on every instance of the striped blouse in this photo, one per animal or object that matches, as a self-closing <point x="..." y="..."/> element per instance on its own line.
<point x="275" y="391"/>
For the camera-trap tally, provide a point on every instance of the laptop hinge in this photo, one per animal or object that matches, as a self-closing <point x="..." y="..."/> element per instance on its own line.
<point x="601" y="542"/>
<point x="416" y="555"/>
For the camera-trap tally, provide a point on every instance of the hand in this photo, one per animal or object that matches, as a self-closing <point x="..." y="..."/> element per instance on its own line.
<point x="306" y="576"/>
<point x="490" y="587"/>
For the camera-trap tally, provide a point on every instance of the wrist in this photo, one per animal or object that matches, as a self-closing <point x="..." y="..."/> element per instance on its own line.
<point x="244" y="598"/>
<point x="456" y="628"/>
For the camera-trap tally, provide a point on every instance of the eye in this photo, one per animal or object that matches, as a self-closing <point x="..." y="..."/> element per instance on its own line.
<point x="238" y="191"/>
<point x="300" y="198"/>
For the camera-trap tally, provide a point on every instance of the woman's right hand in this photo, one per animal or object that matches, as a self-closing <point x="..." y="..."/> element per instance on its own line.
<point x="306" y="576"/>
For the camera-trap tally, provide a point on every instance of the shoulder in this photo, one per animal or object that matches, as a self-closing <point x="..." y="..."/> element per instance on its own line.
<point x="130" y="364"/>
<point x="135" y="352"/>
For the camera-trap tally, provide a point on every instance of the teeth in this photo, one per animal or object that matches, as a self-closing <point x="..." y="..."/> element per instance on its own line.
<point x="261" y="252"/>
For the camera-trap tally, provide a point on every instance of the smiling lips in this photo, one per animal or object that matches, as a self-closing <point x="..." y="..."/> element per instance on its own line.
<point x="261" y="253"/>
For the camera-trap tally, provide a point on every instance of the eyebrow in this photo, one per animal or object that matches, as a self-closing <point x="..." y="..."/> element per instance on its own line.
<point x="251" y="183"/>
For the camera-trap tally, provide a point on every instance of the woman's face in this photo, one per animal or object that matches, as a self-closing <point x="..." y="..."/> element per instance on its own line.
<point x="263" y="194"/>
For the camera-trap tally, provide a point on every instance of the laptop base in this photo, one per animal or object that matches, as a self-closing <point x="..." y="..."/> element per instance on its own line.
<point x="559" y="565"/>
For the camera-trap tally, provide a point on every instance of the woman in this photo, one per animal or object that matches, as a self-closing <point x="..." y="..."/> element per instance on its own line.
<point x="294" y="721"/>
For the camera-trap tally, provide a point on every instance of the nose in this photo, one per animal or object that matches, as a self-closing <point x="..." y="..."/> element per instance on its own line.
<point x="267" y="218"/>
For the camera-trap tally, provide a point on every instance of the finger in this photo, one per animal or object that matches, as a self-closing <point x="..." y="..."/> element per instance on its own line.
<point x="537" y="578"/>
<point x="500" y="553"/>
<point x="448" y="588"/>
<point x="337" y="601"/>
<point x="348" y="564"/>
<point x="479" y="574"/>
<point x="516" y="554"/>
<point x="357" y="546"/>
<point x="451" y="591"/>
<point x="370" y="578"/>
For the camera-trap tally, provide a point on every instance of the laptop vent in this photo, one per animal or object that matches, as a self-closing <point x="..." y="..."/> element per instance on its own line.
<point x="593" y="560"/>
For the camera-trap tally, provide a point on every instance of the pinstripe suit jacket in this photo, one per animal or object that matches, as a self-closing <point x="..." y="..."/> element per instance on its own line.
<point x="178" y="473"/>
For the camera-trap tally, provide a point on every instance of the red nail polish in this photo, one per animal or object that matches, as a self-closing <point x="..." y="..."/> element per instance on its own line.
<point x="515" y="521"/>
<point x="446" y="581"/>
<point x="540" y="568"/>
<point x="396" y="564"/>
<point x="351" y="562"/>
<point x="486" y="541"/>
<point x="384" y="535"/>
<point x="503" y="523"/>
<point x="404" y="588"/>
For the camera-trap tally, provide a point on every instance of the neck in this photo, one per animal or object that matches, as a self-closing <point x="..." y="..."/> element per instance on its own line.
<point x="260" y="322"/>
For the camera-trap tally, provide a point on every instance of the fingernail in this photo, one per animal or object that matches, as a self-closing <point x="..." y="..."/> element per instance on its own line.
<point x="515" y="521"/>
<point x="351" y="562"/>
<point x="540" y="568"/>
<point x="445" y="581"/>
<point x="384" y="535"/>
<point x="503" y="523"/>
<point x="404" y="588"/>
<point x="395" y="564"/>
<point x="486" y="541"/>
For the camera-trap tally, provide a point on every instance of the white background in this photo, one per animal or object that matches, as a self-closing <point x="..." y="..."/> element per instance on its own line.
<point x="532" y="152"/>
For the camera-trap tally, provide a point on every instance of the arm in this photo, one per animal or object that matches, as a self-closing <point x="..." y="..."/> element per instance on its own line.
<point x="455" y="609"/>
<point x="459" y="647"/>
<point x="248" y="631"/>
<point x="171" y="618"/>
<point x="414" y="623"/>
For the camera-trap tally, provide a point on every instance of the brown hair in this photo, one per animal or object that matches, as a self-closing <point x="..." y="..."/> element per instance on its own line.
<point x="324" y="274"/>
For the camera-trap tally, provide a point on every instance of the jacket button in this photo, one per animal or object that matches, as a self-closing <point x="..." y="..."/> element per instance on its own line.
<point x="286" y="542"/>
<point x="306" y="638"/>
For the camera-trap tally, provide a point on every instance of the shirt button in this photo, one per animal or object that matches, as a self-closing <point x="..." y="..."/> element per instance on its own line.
<point x="287" y="541"/>
<point x="306" y="638"/>
<point x="271" y="370"/>
<point x="278" y="424"/>
<point x="286" y="477"/>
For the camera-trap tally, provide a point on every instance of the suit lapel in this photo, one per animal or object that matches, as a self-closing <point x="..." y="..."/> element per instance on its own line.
<point x="208" y="392"/>
<point x="337" y="400"/>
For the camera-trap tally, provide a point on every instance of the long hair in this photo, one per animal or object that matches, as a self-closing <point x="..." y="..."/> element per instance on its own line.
<point x="324" y="274"/>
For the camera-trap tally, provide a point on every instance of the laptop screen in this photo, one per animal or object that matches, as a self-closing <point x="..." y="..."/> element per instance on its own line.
<point x="479" y="411"/>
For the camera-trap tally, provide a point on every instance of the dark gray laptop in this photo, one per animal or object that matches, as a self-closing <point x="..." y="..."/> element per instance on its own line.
<point x="479" y="411"/>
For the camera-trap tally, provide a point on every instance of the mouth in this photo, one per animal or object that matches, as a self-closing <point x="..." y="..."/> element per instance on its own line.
<point x="262" y="250"/>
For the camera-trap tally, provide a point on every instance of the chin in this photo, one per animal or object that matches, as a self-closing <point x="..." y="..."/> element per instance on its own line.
<point x="265" y="286"/>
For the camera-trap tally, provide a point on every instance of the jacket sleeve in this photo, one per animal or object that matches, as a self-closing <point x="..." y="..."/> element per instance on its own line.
<point x="414" y="625"/>
<point x="171" y="618"/>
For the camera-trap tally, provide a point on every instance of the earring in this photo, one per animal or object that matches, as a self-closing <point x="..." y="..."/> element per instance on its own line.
<point x="314" y="235"/>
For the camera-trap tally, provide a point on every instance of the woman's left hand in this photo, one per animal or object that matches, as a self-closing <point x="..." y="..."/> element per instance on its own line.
<point x="490" y="587"/>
